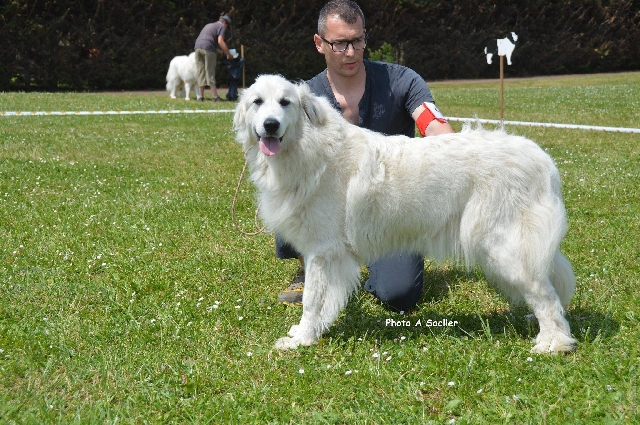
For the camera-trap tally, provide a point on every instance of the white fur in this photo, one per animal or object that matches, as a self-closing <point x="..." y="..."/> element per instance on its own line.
<point x="182" y="74"/>
<point x="344" y="195"/>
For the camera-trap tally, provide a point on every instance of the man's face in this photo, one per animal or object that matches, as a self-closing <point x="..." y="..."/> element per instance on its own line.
<point x="349" y="62"/>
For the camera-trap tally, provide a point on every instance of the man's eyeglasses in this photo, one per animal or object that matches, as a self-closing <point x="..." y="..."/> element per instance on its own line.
<point x="342" y="46"/>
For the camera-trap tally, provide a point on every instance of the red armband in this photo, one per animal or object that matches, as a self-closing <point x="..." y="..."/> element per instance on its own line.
<point x="430" y="113"/>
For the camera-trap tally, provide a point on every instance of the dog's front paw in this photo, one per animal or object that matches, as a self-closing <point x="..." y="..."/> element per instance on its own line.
<point x="293" y="331"/>
<point x="554" y="344"/>
<point x="286" y="343"/>
<point x="291" y="343"/>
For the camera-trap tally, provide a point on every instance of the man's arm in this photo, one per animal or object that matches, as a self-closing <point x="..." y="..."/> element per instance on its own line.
<point x="224" y="48"/>
<point x="434" y="127"/>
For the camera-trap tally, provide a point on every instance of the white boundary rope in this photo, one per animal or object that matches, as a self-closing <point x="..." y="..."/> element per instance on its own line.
<point x="208" y="111"/>
<point x="551" y="125"/>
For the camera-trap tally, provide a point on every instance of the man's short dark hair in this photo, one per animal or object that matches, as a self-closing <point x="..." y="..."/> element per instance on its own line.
<point x="347" y="10"/>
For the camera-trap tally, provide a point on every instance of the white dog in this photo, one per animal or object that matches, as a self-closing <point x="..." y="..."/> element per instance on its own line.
<point x="501" y="47"/>
<point x="344" y="195"/>
<point x="182" y="74"/>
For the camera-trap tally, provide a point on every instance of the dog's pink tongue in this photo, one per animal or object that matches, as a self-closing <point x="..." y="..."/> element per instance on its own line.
<point x="269" y="145"/>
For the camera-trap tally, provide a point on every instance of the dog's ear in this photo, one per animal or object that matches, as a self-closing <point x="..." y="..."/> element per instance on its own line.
<point x="311" y="105"/>
<point x="240" y="113"/>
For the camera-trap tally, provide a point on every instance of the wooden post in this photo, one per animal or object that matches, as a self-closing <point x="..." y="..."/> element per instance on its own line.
<point x="501" y="88"/>
<point x="245" y="65"/>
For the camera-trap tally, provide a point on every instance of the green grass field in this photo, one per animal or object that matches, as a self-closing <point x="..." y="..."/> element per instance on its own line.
<point x="127" y="296"/>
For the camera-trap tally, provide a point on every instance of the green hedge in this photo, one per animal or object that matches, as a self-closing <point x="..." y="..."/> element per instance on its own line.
<point x="127" y="45"/>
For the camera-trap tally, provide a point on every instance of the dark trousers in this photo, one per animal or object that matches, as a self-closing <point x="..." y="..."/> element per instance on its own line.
<point x="396" y="280"/>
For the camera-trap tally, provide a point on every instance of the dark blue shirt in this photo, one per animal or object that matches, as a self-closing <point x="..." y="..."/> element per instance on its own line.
<point x="392" y="92"/>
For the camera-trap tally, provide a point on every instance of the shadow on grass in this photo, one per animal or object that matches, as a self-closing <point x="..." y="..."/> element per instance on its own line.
<point x="387" y="324"/>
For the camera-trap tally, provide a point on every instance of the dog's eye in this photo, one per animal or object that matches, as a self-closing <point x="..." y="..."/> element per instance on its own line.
<point x="258" y="101"/>
<point x="285" y="102"/>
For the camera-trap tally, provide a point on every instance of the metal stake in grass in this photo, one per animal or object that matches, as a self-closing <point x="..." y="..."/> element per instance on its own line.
<point x="501" y="47"/>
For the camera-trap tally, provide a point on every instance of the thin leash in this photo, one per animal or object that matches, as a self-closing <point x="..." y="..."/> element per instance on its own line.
<point x="235" y="200"/>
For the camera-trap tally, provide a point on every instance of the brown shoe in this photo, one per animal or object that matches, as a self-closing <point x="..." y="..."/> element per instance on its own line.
<point x="293" y="294"/>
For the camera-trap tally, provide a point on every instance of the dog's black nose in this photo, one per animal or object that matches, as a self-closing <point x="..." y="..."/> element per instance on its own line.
<point x="271" y="125"/>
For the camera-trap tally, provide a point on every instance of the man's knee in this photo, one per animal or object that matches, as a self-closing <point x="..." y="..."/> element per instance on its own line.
<point x="397" y="281"/>
<point x="284" y="250"/>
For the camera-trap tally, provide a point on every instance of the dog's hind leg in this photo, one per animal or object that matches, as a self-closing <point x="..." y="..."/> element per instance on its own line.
<point x="555" y="334"/>
<point x="512" y="274"/>
<point x="489" y="56"/>
<point x="563" y="279"/>
<point x="329" y="282"/>
<point x="176" y="85"/>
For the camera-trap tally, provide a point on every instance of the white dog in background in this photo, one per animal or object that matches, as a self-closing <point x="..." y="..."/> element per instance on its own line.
<point x="182" y="74"/>
<point x="501" y="47"/>
<point x="344" y="195"/>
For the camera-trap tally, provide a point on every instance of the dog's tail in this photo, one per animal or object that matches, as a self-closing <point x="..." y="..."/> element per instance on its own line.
<point x="563" y="279"/>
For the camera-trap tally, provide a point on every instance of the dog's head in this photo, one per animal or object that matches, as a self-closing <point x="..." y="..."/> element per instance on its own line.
<point x="272" y="113"/>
